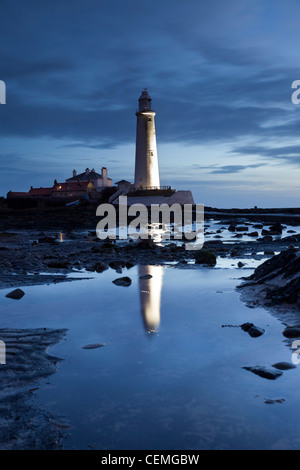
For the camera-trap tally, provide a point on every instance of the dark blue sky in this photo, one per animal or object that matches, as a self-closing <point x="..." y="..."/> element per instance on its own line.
<point x="219" y="73"/>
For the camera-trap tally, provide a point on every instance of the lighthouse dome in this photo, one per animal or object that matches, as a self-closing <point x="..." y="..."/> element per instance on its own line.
<point x="145" y="100"/>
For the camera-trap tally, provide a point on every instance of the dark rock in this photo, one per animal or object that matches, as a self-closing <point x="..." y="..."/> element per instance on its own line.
<point x="59" y="264"/>
<point x="270" y="401"/>
<point x="99" y="267"/>
<point x="15" y="294"/>
<point x="50" y="240"/>
<point x="129" y="265"/>
<point x="277" y="227"/>
<point x="240" y="264"/>
<point x="205" y="256"/>
<point x="266" y="238"/>
<point x="146" y="244"/>
<point x="246" y="326"/>
<point x="242" y="229"/>
<point x="146" y="276"/>
<point x="258" y="226"/>
<point x="253" y="234"/>
<point x="284" y="366"/>
<point x="231" y="228"/>
<point x="292" y="332"/>
<point x="252" y="330"/>
<point x="93" y="346"/>
<point x="270" y="374"/>
<point x="117" y="264"/>
<point x="123" y="281"/>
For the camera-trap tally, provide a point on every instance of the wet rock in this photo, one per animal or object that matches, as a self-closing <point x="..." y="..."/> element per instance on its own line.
<point x="266" y="238"/>
<point x="231" y="228"/>
<point x="253" y="234"/>
<point x="276" y="228"/>
<point x="146" y="276"/>
<point x="205" y="256"/>
<point x="15" y="294"/>
<point x="50" y="240"/>
<point x="242" y="229"/>
<point x="265" y="373"/>
<point x="98" y="267"/>
<point x="292" y="332"/>
<point x="252" y="330"/>
<point x="117" y="264"/>
<point x="269" y="252"/>
<point x="93" y="346"/>
<point x="284" y="366"/>
<point x="123" y="281"/>
<point x="146" y="244"/>
<point x="240" y="264"/>
<point x="270" y="401"/>
<point x="129" y="265"/>
<point x="257" y="226"/>
<point x="59" y="264"/>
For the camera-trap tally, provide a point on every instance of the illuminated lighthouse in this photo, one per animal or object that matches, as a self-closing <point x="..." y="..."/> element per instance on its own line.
<point x="146" y="161"/>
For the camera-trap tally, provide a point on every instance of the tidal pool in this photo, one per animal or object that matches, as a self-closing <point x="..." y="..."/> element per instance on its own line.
<point x="169" y="375"/>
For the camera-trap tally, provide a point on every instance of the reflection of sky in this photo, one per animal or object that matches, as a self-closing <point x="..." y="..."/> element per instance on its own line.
<point x="182" y="389"/>
<point x="220" y="78"/>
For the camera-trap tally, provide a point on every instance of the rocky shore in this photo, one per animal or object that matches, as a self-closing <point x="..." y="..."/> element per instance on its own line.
<point x="62" y="246"/>
<point x="41" y="247"/>
<point x="23" y="425"/>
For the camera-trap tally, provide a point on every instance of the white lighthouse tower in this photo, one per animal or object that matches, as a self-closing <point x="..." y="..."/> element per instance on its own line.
<point x="146" y="161"/>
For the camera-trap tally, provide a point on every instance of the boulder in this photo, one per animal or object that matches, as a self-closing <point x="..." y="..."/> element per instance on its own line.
<point x="99" y="267"/>
<point x="59" y="264"/>
<point x="292" y="332"/>
<point x="266" y="373"/>
<point x="123" y="281"/>
<point x="252" y="330"/>
<point x="50" y="240"/>
<point x="205" y="256"/>
<point x="15" y="294"/>
<point x="284" y="366"/>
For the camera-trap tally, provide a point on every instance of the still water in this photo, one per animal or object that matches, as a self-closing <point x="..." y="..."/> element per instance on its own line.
<point x="169" y="375"/>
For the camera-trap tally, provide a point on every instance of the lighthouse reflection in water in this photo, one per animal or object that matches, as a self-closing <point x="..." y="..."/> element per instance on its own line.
<point x="150" y="284"/>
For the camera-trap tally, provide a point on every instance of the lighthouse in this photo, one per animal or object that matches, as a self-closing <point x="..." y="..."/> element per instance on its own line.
<point x="146" y="161"/>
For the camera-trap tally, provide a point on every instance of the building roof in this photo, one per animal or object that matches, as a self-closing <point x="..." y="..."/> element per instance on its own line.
<point x="17" y="193"/>
<point x="73" y="186"/>
<point x="85" y="177"/>
<point x="39" y="191"/>
<point x="123" y="181"/>
<point x="70" y="186"/>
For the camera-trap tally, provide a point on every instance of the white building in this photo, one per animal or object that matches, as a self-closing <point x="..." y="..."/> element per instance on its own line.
<point x="100" y="181"/>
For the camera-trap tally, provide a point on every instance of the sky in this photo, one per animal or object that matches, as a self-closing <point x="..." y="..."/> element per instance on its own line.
<point x="219" y="73"/>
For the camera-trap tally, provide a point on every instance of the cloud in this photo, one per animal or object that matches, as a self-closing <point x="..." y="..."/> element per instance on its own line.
<point x="286" y="154"/>
<point x="226" y="169"/>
